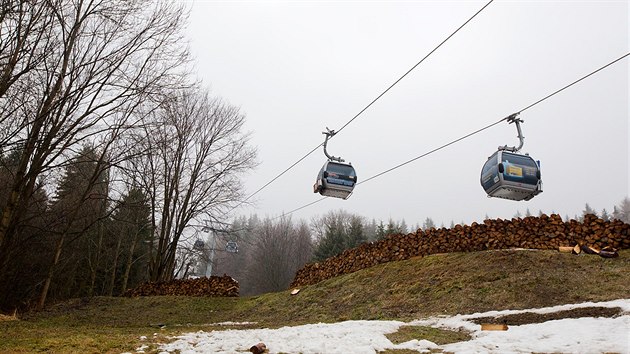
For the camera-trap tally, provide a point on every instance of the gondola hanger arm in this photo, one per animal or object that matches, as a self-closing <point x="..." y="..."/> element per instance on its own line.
<point x="514" y="119"/>
<point x="329" y="134"/>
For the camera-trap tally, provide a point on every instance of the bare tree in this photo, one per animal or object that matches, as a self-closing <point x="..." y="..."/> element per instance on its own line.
<point x="26" y="35"/>
<point x="280" y="249"/>
<point x="101" y="58"/>
<point x="194" y="153"/>
<point x="622" y="211"/>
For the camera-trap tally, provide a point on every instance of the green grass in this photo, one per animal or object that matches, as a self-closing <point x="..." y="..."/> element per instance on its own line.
<point x="435" y="335"/>
<point x="445" y="284"/>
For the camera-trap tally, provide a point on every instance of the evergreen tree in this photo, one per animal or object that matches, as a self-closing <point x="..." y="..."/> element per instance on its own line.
<point x="380" y="231"/>
<point x="403" y="229"/>
<point x="131" y="223"/>
<point x="369" y="230"/>
<point x="355" y="235"/>
<point x="80" y="207"/>
<point x="392" y="228"/>
<point x="333" y="242"/>
<point x="338" y="231"/>
<point x="428" y="224"/>
<point x="605" y="216"/>
<point x="588" y="210"/>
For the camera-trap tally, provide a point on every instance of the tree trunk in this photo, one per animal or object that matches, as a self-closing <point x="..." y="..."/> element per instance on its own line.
<point x="51" y="272"/>
<point x="112" y="279"/>
<point x="129" y="263"/>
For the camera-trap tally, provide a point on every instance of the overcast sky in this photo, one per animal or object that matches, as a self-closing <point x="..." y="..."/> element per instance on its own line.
<point x="296" y="67"/>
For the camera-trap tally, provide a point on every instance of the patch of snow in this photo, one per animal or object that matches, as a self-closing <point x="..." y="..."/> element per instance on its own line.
<point x="229" y="323"/>
<point x="585" y="335"/>
<point x="142" y="348"/>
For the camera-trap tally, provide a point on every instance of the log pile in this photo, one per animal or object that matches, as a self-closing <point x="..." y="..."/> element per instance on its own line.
<point x="214" y="286"/>
<point x="543" y="232"/>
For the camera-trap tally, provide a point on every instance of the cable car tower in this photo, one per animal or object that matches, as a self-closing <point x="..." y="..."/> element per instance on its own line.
<point x="336" y="178"/>
<point x="509" y="174"/>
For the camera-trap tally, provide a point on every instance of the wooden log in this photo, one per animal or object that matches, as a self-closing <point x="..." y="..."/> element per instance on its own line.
<point x="258" y="348"/>
<point x="589" y="250"/>
<point x="576" y="249"/>
<point x="494" y="327"/>
<point x="608" y="252"/>
<point x="531" y="232"/>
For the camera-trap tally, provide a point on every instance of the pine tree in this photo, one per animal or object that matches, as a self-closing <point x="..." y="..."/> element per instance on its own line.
<point x="392" y="228"/>
<point x="403" y="229"/>
<point x="132" y="223"/>
<point x="380" y="231"/>
<point x="333" y="242"/>
<point x="428" y="224"/>
<point x="605" y="216"/>
<point x="79" y="206"/>
<point x="355" y="235"/>
<point x="588" y="210"/>
<point x="370" y="230"/>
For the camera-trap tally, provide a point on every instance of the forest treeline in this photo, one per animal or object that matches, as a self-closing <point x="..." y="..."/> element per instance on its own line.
<point x="110" y="148"/>
<point x="271" y="251"/>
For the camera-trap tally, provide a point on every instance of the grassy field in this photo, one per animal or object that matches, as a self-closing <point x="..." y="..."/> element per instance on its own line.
<point x="440" y="284"/>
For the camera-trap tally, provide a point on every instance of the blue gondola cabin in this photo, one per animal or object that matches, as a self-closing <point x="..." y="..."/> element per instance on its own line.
<point x="335" y="179"/>
<point x="511" y="176"/>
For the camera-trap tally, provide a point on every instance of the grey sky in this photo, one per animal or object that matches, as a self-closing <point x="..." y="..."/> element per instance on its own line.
<point x="297" y="67"/>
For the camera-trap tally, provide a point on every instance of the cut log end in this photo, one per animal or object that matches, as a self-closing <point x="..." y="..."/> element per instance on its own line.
<point x="494" y="327"/>
<point x="258" y="348"/>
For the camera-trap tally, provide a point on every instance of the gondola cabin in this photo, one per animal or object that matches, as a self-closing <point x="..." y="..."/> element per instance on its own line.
<point x="231" y="246"/>
<point x="511" y="176"/>
<point x="335" y="179"/>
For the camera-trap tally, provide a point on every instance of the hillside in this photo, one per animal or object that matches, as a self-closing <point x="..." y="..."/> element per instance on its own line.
<point x="415" y="288"/>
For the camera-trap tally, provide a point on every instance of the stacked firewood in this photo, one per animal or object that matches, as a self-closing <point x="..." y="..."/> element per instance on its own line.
<point x="543" y="232"/>
<point x="215" y="286"/>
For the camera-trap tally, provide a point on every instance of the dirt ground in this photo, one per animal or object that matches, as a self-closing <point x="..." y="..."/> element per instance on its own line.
<point x="530" y="317"/>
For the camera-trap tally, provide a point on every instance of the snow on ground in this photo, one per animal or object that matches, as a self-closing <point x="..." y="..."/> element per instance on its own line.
<point x="581" y="335"/>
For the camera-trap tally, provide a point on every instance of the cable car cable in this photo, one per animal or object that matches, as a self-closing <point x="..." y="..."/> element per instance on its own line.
<point x="413" y="67"/>
<point x="495" y="123"/>
<point x="434" y="150"/>
<point x="473" y="133"/>
<point x="366" y="107"/>
<point x="300" y="208"/>
<point x="574" y="82"/>
<point x="278" y="176"/>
